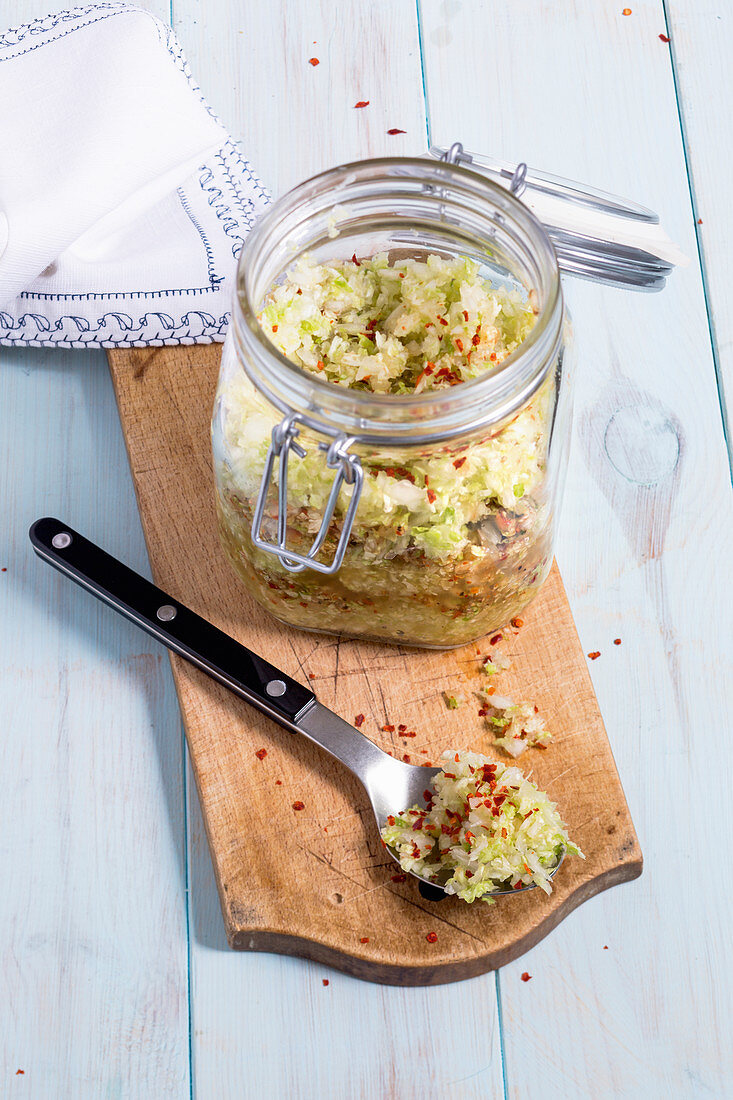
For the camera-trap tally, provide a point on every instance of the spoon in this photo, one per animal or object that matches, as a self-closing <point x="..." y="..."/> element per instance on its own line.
<point x="391" y="784"/>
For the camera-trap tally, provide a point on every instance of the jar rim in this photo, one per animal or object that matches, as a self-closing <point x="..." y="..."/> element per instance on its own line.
<point x="401" y="418"/>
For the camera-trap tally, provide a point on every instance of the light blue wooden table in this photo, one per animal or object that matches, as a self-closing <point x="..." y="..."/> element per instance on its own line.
<point x="116" y="981"/>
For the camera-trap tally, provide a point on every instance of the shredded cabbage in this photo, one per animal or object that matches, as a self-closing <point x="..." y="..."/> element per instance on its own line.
<point x="487" y="827"/>
<point x="394" y="328"/>
<point x="448" y="542"/>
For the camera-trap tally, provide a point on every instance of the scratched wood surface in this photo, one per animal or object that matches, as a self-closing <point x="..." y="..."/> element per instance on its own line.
<point x="87" y="1010"/>
<point x="317" y="882"/>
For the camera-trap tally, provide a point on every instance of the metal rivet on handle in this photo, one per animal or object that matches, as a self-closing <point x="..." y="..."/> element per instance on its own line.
<point x="166" y="613"/>
<point x="61" y="541"/>
<point x="276" y="688"/>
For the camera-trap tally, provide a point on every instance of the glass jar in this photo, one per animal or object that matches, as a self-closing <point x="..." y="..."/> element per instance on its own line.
<point x="439" y="527"/>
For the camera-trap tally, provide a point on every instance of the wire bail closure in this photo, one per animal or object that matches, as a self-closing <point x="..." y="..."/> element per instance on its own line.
<point x="348" y="470"/>
<point x="598" y="254"/>
<point x="458" y="155"/>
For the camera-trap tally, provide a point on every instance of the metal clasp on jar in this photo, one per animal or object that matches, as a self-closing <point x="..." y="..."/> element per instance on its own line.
<point x="348" y="469"/>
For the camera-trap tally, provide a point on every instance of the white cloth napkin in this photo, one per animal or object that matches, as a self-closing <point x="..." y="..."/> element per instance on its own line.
<point x="123" y="201"/>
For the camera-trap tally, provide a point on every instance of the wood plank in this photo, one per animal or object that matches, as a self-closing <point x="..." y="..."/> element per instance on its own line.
<point x="701" y="33"/>
<point x="95" y="997"/>
<point x="644" y="550"/>
<point x="294" y="119"/>
<point x="320" y="881"/>
<point x="92" y="911"/>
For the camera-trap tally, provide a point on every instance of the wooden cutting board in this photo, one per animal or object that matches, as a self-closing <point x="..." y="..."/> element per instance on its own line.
<point x="317" y="882"/>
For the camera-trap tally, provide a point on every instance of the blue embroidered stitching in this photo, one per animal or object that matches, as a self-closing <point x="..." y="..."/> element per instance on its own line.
<point x="228" y="155"/>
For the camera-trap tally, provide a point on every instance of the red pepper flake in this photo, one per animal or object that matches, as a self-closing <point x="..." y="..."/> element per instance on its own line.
<point x="458" y="462"/>
<point x="449" y="775"/>
<point x="364" y="939"/>
<point x="313" y="61"/>
<point x="388" y="729"/>
<point x="699" y="222"/>
<point x="595" y="654"/>
<point x="278" y="782"/>
<point x="459" y="343"/>
<point x="496" y="639"/>
<point x="432" y="496"/>
<point x="355" y="261"/>
<point x="617" y="641"/>
<point x="299" y="291"/>
<point x="390" y="820"/>
<point x="605" y="947"/>
<point x="362" y="103"/>
<point x="406" y="758"/>
<point x="4" y="570"/>
<point x="428" y="764"/>
<point x="493" y="357"/>
<point x="399" y="878"/>
<point x="394" y="131"/>
<point x="517" y="623"/>
<point x="359" y="720"/>
<point x="626" y="11"/>
<point x="526" y="977"/>
<point x="261" y="754"/>
<point x="663" y="38"/>
<point x="18" y="1071"/>
<point x="432" y="937"/>
<point x="402" y="274"/>
<point x="274" y="328"/>
<point x="428" y="796"/>
<point x="442" y="321"/>
<point x="476" y="340"/>
<point x="298" y="806"/>
<point x="401" y="728"/>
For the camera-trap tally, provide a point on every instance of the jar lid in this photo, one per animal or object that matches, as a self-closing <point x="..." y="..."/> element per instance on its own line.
<point x="596" y="235"/>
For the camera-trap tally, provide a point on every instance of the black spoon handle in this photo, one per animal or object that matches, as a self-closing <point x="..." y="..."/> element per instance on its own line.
<point x="176" y="626"/>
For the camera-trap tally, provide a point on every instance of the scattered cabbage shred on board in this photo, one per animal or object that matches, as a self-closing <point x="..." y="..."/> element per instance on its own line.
<point x="486" y="825"/>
